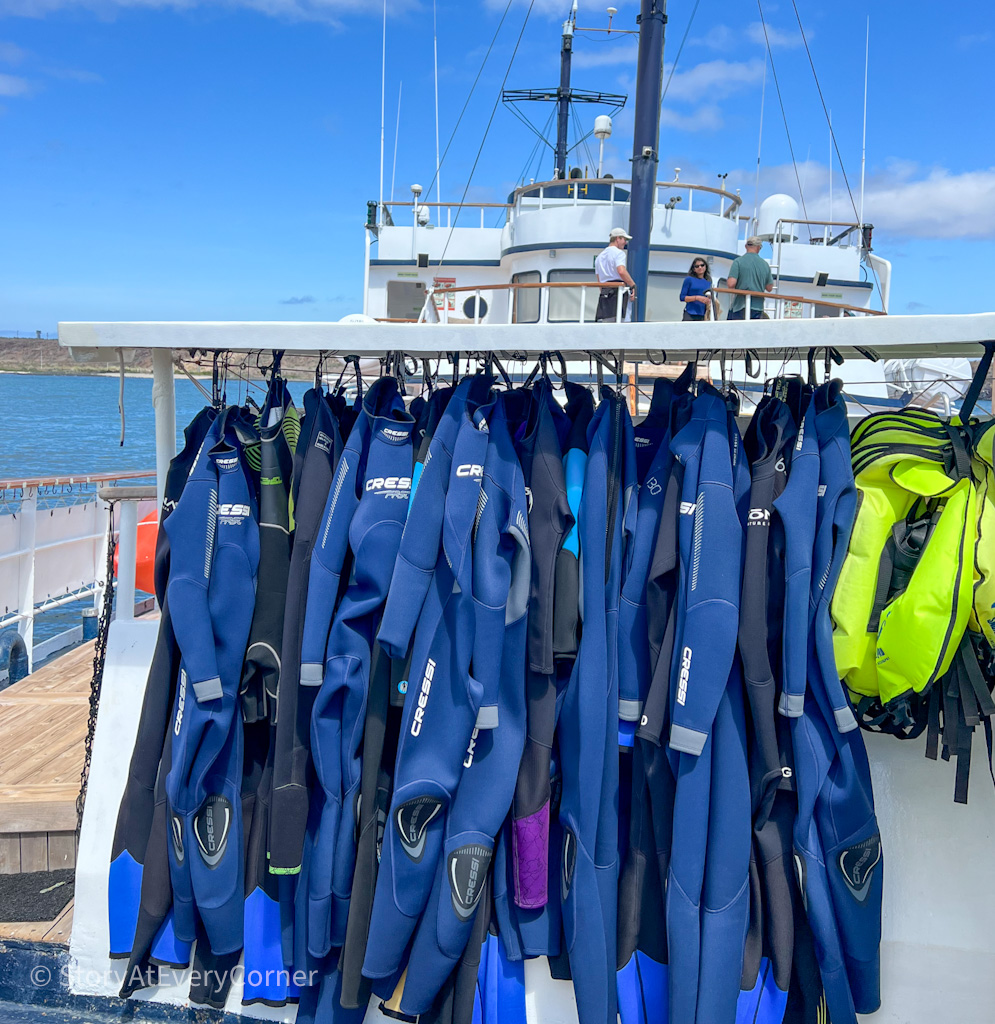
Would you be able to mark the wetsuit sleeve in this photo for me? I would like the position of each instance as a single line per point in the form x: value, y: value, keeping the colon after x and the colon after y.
x: 326, y: 565
x: 416, y: 557
x: 192, y: 533
x: 708, y: 641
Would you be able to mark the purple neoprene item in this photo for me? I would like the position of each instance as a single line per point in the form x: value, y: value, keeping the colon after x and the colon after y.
x: 530, y: 850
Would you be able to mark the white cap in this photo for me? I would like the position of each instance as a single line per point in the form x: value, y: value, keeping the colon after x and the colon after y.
x: 618, y: 233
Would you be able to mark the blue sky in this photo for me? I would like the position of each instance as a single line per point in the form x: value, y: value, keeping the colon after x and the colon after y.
x: 212, y: 160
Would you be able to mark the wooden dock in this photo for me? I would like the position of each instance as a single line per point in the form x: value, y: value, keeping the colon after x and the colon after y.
x: 43, y: 721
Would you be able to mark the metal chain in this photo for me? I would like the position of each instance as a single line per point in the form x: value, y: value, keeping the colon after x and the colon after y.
x: 99, y: 656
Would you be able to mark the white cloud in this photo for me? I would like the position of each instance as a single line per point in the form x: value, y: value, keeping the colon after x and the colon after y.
x: 941, y: 205
x: 728, y: 39
x: 328, y: 11
x: 703, y: 119
x: 606, y: 55
x: 11, y: 53
x: 777, y: 38
x: 974, y: 39
x: 905, y: 201
x: 12, y: 85
x: 712, y: 80
x: 591, y: 17
x: 74, y: 75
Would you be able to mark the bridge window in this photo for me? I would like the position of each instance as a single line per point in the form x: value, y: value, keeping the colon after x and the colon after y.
x: 564, y: 303
x: 525, y: 301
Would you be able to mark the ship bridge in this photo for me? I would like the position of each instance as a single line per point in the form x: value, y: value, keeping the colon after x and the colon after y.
x: 531, y: 260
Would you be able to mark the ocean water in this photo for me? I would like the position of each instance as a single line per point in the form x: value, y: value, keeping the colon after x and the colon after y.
x: 54, y: 425
x: 62, y: 425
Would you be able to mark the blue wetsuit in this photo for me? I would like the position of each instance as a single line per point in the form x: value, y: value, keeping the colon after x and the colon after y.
x: 441, y: 706
x: 588, y: 721
x: 139, y: 892
x: 501, y: 571
x: 375, y: 484
x: 707, y: 891
x: 214, y: 537
x: 837, y: 842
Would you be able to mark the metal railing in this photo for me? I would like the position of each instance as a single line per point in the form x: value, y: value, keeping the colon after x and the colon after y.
x: 433, y: 313
x: 777, y: 306
x: 574, y: 191
x: 448, y: 207
x: 52, y: 550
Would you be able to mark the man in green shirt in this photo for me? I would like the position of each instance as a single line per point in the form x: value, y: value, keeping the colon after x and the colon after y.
x: 751, y: 273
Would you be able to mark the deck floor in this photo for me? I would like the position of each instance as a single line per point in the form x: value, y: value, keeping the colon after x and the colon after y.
x: 56, y: 931
x: 43, y: 721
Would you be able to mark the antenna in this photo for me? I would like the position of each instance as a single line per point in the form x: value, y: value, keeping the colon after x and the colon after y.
x: 863, y: 149
x: 830, y: 165
x: 435, y: 50
x: 383, y: 86
x: 397, y: 132
x: 760, y: 139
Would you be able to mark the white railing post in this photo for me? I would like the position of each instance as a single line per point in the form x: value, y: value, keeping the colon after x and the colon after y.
x: 164, y: 404
x: 476, y: 306
x: 127, y: 549
x: 26, y: 542
x: 690, y: 199
x: 512, y: 297
x: 583, y: 303
x: 618, y: 305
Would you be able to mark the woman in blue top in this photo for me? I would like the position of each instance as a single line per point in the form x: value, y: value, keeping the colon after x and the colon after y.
x: 695, y: 290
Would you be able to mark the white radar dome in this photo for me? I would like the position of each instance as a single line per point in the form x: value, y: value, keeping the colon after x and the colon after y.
x: 356, y: 318
x: 602, y: 126
x: 772, y: 209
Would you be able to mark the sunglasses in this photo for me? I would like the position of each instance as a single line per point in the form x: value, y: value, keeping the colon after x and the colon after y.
x: 697, y: 265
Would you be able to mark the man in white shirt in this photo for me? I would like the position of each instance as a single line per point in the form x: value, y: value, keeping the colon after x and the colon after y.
x: 610, y: 266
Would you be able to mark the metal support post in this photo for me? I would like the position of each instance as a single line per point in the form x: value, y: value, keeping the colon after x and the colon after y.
x: 127, y: 548
x: 164, y: 404
x: 26, y: 543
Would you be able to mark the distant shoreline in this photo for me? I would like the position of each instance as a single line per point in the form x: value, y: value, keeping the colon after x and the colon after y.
x: 46, y: 357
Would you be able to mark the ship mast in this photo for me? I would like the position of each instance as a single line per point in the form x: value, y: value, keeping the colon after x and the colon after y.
x: 645, y: 143
x: 563, y: 93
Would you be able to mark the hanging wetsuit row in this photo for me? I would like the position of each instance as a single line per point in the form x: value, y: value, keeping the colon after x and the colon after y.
x: 495, y: 674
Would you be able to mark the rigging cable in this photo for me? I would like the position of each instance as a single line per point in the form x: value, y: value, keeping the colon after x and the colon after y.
x: 480, y: 71
x: 760, y: 141
x: 825, y: 109
x: 490, y: 121
x: 680, y: 49
x: 784, y: 116
x: 535, y: 152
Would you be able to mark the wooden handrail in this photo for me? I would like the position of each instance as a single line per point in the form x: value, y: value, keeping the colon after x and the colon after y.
x: 801, y: 298
x: 451, y: 289
x: 85, y: 478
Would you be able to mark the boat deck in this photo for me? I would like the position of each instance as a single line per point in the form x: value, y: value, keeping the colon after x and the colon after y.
x: 56, y: 932
x: 43, y: 720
